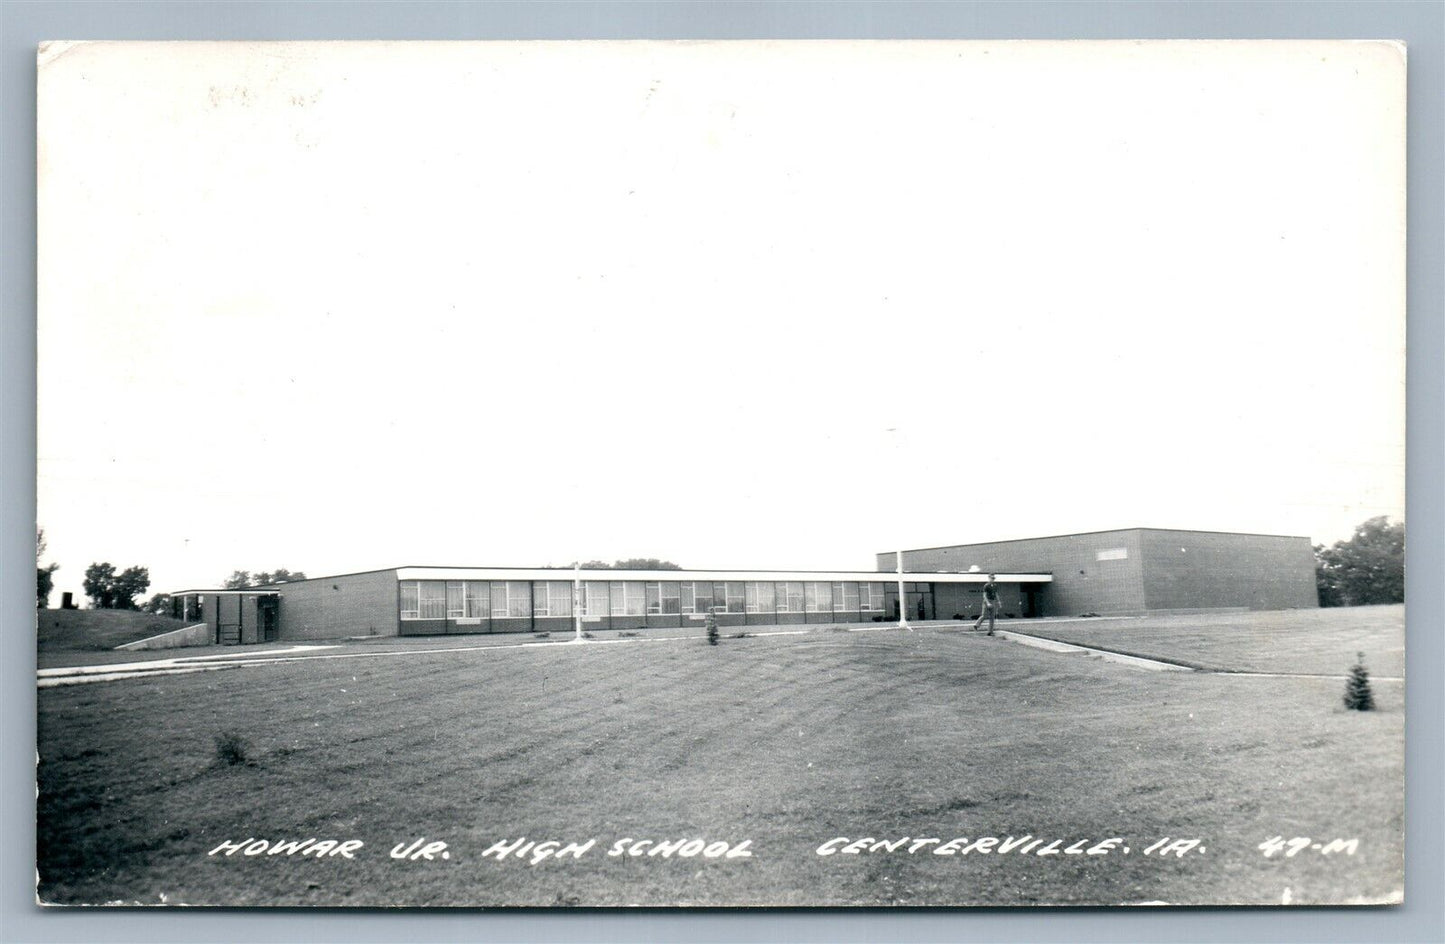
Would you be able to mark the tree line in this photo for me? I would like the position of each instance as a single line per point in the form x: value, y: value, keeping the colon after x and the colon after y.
x: 1368, y: 568
x: 110, y: 589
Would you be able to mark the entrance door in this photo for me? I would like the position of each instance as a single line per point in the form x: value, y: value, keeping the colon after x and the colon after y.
x: 266, y: 607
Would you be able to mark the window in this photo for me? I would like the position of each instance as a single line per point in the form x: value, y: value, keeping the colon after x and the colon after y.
x: 870, y: 597
x: 478, y: 599
x: 760, y: 597
x: 455, y: 609
x: 664, y: 597
x: 553, y: 598
x: 597, y: 597
x: 519, y: 598
x: 703, y: 590
x: 410, y: 600
x: 433, y: 600
x: 689, y: 597
x: 511, y: 598
x: 845, y: 597
x: 734, y: 600
x: 818, y: 596
x: 629, y: 598
x: 790, y: 597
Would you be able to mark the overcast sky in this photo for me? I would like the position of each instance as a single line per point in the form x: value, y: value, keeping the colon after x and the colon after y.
x: 338, y: 307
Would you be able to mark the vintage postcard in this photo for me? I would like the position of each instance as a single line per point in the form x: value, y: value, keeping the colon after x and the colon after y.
x: 722, y: 474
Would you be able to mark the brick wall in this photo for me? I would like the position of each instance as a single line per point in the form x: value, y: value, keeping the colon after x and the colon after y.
x: 1192, y: 569
x: 330, y: 607
x: 1083, y: 583
x: 1134, y: 570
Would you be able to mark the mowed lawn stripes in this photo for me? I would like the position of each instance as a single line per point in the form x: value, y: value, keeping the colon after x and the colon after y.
x: 787, y: 742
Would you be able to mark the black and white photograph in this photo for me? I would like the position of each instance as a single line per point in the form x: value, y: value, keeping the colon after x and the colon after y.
x: 736, y: 474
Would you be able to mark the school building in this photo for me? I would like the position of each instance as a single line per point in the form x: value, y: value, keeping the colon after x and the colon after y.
x: 1142, y: 570
x: 430, y: 601
x: 1107, y: 572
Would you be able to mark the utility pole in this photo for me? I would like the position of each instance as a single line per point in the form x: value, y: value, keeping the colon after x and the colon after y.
x: 577, y: 601
x: 902, y: 597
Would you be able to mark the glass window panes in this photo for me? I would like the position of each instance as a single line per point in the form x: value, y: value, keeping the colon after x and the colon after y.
x: 759, y: 597
x: 519, y: 598
x: 597, y: 597
x: 478, y: 598
x: 818, y: 596
x: 555, y: 597
x: 636, y: 597
x: 433, y: 600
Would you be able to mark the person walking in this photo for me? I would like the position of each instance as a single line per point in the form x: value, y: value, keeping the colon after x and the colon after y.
x: 990, y: 605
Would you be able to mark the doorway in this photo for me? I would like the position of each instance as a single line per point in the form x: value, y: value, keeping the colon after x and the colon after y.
x: 267, y: 617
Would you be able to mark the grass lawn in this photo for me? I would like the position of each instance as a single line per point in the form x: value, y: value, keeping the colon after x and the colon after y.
x: 1304, y: 642
x: 70, y: 631
x: 787, y: 742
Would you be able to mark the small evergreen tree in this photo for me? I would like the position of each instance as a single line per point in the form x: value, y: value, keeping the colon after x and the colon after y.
x: 1358, y: 696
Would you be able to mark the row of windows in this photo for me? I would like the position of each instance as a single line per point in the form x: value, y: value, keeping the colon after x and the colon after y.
x: 502, y: 599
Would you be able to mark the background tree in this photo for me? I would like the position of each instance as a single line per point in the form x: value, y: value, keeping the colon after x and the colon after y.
x: 109, y: 590
x: 99, y: 585
x: 1367, y: 569
x: 44, y: 576
x: 241, y: 579
x: 268, y: 578
x: 129, y: 584
x: 160, y: 604
x: 631, y: 563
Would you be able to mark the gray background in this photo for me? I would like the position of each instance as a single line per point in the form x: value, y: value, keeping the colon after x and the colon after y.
x: 1421, y: 24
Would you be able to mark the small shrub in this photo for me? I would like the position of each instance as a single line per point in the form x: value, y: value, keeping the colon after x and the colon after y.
x: 628, y: 632
x: 541, y: 635
x: 232, y: 750
x: 1358, y: 696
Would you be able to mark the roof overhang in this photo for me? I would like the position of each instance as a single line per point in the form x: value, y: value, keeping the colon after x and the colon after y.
x: 868, y: 576
x: 251, y: 591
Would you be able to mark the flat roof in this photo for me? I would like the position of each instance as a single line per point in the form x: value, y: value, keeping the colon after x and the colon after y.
x: 1085, y: 534
x: 251, y: 590
x: 566, y: 573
